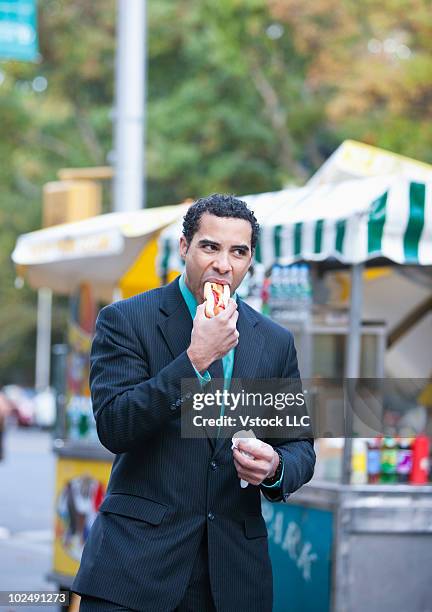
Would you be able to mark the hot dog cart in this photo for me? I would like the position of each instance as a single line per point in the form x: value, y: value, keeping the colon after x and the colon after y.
x: 337, y: 545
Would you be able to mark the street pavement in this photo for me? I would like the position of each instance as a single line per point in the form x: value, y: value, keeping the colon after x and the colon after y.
x: 27, y: 477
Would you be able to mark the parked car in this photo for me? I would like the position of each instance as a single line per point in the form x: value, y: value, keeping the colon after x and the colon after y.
x: 5, y: 409
x: 22, y: 400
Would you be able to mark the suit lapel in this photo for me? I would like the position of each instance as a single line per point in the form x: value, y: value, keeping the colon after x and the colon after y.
x: 176, y: 328
x: 250, y: 346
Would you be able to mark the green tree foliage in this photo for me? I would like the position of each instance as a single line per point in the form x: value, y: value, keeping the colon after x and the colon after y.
x: 370, y: 64
x: 67, y: 124
x: 244, y: 96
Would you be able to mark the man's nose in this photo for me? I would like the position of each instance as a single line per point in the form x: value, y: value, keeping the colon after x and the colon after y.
x: 222, y: 263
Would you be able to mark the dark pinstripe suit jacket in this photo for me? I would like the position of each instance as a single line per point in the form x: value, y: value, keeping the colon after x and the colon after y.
x: 162, y: 487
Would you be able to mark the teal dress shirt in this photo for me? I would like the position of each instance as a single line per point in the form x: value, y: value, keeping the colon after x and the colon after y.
x: 227, y: 361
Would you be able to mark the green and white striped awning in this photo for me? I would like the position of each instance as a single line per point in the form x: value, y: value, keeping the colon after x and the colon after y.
x: 352, y: 222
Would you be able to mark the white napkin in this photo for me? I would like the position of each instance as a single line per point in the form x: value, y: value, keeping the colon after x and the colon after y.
x: 251, y: 440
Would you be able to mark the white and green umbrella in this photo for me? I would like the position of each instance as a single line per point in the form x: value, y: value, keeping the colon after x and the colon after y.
x: 99, y: 250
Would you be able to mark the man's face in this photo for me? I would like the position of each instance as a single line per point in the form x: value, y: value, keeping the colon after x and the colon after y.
x: 219, y: 252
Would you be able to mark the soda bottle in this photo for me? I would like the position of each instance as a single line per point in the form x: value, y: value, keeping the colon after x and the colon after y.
x: 404, y: 459
x: 389, y: 461
x: 83, y: 418
x: 265, y: 296
x: 373, y: 460
x: 420, y: 468
x: 358, y: 462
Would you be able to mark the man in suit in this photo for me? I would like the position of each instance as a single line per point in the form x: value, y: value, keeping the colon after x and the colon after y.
x: 176, y: 532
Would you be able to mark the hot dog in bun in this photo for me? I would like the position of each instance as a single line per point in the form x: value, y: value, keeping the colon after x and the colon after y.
x: 216, y: 298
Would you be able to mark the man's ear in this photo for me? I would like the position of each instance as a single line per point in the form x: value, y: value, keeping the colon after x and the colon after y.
x: 183, y: 247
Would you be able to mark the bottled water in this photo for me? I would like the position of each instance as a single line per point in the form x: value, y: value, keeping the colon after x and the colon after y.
x: 304, y: 292
x: 291, y: 292
x: 288, y: 292
x: 276, y: 290
x: 255, y: 287
x: 276, y: 282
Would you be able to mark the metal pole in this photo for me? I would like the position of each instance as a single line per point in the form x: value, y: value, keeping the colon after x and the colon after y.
x: 43, y: 340
x: 352, y: 360
x: 59, y: 354
x: 129, y: 192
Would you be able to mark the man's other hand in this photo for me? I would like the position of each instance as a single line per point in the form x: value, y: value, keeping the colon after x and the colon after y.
x: 261, y: 465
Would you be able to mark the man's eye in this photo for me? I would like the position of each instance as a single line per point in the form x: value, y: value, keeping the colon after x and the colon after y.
x: 240, y: 252
x: 209, y: 247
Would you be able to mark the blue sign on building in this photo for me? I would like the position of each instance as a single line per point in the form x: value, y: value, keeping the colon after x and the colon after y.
x: 300, y: 547
x: 18, y: 30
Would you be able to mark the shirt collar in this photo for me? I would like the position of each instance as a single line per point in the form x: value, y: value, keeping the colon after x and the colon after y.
x: 188, y: 296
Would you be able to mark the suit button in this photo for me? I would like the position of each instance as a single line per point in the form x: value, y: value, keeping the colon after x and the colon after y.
x: 188, y: 395
x: 213, y: 465
x: 173, y: 407
x: 210, y: 516
x: 178, y: 402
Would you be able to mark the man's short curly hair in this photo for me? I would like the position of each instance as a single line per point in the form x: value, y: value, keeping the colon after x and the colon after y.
x: 220, y: 205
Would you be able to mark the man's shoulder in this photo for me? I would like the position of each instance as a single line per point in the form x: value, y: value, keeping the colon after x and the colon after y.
x: 135, y: 309
x: 148, y: 300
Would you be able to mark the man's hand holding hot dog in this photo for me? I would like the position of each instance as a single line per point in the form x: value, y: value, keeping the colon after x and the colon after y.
x: 213, y: 338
